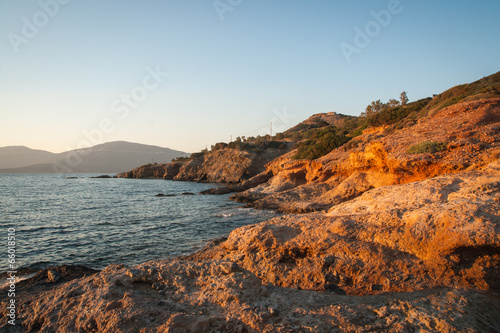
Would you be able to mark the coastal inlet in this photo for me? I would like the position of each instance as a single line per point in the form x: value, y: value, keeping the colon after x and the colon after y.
x: 72, y: 219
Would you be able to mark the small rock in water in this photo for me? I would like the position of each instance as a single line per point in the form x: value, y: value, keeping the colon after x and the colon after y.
x: 187, y: 193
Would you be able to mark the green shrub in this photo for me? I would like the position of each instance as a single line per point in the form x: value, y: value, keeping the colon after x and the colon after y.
x: 358, y: 131
x: 392, y: 115
x: 180, y: 159
x: 202, y: 153
x: 218, y: 146
x: 427, y: 147
x: 320, y: 143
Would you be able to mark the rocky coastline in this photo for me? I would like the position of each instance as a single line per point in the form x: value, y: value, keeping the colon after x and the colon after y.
x: 222, y: 166
x: 377, y: 239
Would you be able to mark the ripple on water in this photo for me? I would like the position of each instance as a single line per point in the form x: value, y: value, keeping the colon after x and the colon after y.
x: 97, y: 222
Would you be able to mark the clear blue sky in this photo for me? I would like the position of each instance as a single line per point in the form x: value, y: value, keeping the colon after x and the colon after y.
x: 231, y: 70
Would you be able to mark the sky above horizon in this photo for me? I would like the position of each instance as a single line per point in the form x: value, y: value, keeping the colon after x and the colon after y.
x: 188, y: 74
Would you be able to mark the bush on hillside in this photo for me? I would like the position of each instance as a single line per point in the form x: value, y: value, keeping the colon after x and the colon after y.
x: 320, y: 142
x: 427, y: 147
x: 180, y: 159
x: 391, y: 115
x: 487, y: 87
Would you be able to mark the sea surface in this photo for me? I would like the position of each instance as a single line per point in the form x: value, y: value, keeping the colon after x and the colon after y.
x: 96, y: 222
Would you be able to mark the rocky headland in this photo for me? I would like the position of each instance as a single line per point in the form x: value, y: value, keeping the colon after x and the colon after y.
x: 222, y: 166
x: 397, y: 230
x: 468, y: 132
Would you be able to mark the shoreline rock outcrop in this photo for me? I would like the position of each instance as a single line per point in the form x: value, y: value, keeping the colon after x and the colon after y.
x: 440, y: 232
x: 222, y: 166
x: 220, y: 296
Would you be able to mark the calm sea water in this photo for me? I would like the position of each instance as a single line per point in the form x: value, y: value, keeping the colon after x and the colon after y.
x: 97, y: 222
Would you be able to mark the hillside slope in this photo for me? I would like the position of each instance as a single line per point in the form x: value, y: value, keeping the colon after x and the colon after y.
x: 466, y: 133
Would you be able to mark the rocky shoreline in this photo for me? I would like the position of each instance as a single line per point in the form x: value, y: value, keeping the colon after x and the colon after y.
x: 222, y: 166
x: 387, y: 240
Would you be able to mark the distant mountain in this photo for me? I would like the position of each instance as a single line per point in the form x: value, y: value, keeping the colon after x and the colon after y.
x: 19, y: 156
x: 112, y: 157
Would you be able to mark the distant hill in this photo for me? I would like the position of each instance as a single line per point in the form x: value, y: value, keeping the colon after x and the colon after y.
x: 112, y: 157
x: 19, y: 156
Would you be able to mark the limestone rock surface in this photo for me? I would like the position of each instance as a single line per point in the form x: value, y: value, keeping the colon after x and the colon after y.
x: 379, y: 157
x: 220, y: 296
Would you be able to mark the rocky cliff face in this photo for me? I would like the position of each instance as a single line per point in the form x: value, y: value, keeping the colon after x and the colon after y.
x: 440, y: 232
x: 221, y: 166
x: 470, y: 132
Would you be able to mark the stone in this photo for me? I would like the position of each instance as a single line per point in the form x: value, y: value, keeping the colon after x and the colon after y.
x: 53, y: 276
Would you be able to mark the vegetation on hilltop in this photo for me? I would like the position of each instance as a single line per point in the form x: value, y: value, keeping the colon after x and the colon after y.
x: 316, y: 142
x: 321, y: 133
x: 487, y: 87
x: 251, y: 144
x: 394, y: 113
x: 320, y: 141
